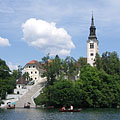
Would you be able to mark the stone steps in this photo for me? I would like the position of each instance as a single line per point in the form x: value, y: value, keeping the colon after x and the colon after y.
x: 28, y: 97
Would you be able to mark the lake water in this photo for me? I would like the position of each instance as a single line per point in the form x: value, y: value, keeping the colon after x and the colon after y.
x: 45, y: 114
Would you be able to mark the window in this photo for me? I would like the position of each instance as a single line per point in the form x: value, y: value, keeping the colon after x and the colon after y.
x: 35, y: 72
x: 29, y: 66
x: 35, y: 78
x: 31, y: 72
x: 91, y: 54
x: 31, y: 78
x: 33, y: 66
x: 91, y: 45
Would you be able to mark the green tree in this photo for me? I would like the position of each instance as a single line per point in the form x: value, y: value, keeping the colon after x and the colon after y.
x: 4, y: 69
x: 26, y: 76
x: 81, y: 62
x: 45, y: 59
x: 70, y: 67
x: 98, y: 62
x: 90, y: 77
x: 7, y: 81
x: 62, y: 93
x: 17, y: 73
x: 111, y: 63
x: 98, y: 86
x: 52, y: 70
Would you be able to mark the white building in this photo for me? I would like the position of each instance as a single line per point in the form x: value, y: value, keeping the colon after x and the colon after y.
x: 92, y: 44
x: 35, y: 70
x: 20, y: 86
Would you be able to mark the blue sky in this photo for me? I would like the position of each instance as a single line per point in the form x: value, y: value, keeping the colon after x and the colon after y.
x: 31, y: 28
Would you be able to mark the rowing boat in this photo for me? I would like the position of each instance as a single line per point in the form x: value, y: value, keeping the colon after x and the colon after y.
x: 74, y: 110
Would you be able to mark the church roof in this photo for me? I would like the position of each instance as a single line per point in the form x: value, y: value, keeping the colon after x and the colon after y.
x: 21, y: 80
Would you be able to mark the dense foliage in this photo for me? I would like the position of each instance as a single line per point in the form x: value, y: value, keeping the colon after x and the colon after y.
x: 97, y: 86
x: 7, y: 80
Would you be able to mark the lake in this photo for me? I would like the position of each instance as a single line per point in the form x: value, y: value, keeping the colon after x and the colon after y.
x: 53, y: 114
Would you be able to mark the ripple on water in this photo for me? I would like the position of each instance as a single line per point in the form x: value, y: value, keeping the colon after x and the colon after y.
x: 45, y: 114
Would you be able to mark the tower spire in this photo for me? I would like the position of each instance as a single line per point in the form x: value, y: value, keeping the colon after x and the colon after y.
x: 92, y: 28
x: 92, y: 20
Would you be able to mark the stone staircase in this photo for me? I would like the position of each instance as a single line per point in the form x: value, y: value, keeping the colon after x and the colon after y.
x: 29, y: 96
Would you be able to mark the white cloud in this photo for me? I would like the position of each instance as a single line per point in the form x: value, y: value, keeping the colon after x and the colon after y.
x: 47, y: 37
x: 12, y: 66
x: 4, y: 42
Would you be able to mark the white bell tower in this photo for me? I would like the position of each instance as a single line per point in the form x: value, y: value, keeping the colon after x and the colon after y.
x: 92, y: 44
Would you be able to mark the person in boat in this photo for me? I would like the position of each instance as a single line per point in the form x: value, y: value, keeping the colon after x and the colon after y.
x: 71, y: 107
x: 63, y: 108
x: 27, y: 105
x: 9, y: 105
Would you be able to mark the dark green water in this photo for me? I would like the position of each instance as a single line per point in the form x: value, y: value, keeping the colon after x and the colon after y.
x: 43, y: 114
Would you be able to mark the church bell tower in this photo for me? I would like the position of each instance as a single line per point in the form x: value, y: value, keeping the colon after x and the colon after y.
x: 92, y: 44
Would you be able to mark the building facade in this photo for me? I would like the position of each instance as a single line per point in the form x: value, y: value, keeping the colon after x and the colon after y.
x: 92, y: 44
x: 35, y: 70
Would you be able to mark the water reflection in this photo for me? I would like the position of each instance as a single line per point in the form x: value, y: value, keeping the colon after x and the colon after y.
x: 53, y: 114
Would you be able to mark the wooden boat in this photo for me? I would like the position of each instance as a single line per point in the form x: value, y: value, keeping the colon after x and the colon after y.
x: 27, y: 106
x: 74, y: 110
x: 50, y: 107
x: 10, y: 107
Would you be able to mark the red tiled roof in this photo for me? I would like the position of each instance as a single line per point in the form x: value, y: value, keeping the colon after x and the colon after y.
x: 35, y: 62
x: 32, y: 62
x: 49, y: 61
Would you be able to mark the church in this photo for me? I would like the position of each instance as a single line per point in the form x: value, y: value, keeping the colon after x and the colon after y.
x: 92, y: 44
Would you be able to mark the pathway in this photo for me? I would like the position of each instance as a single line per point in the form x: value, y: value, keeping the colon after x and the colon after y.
x: 28, y: 97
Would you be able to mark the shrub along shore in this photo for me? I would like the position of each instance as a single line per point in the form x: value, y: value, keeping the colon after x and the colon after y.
x: 97, y: 86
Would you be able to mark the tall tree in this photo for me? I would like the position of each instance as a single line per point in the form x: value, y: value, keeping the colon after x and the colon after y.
x: 4, y: 69
x: 52, y: 70
x: 81, y: 62
x: 111, y: 63
x: 98, y: 62
x: 7, y: 81
x: 69, y: 67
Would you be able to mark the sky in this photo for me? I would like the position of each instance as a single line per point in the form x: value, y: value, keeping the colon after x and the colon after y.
x: 29, y: 29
